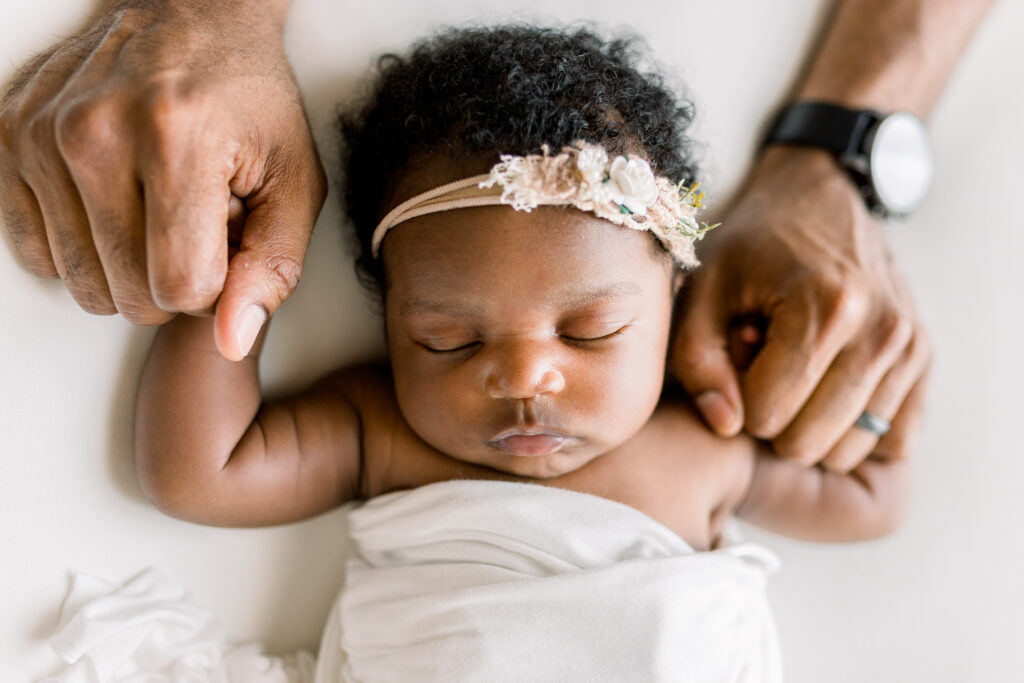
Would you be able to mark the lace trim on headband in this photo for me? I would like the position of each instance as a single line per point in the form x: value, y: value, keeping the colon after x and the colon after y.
x: 624, y: 191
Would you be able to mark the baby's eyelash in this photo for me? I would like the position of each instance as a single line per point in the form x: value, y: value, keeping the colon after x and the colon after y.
x: 579, y: 341
x: 590, y: 340
x: 456, y: 349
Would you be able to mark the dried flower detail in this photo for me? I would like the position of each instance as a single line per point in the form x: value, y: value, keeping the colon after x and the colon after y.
x: 623, y: 190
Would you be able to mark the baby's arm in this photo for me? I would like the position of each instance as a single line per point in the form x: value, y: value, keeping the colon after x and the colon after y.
x: 816, y: 504
x: 208, y: 451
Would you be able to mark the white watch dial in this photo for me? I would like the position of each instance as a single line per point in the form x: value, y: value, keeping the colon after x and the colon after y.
x: 901, y: 162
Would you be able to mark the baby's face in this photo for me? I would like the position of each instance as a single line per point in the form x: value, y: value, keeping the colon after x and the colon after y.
x: 527, y: 342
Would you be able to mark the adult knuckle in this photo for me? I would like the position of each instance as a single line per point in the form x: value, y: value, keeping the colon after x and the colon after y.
x: 83, y: 127
x: 28, y: 237
x: 17, y: 223
x: 172, y: 112
x: 35, y: 254
x: 919, y: 350
x: 126, y: 21
x: 40, y: 129
x: 24, y: 77
x: 894, y: 329
x: 163, y: 104
x: 764, y: 422
x: 688, y: 354
x: 285, y: 271
x: 843, y: 300
x: 91, y: 295
x: 41, y: 267
x: 8, y: 134
x: 124, y: 247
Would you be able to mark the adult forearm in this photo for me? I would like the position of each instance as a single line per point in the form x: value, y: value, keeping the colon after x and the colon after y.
x: 275, y: 8
x: 890, y: 54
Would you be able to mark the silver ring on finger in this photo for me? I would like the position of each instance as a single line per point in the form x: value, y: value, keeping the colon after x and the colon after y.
x: 870, y: 422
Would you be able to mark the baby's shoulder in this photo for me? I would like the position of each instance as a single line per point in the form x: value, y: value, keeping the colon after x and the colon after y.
x: 676, y: 429
x: 681, y: 472
x: 393, y: 456
x: 366, y: 386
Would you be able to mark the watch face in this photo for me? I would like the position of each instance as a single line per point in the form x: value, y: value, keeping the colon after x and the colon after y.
x: 900, y: 162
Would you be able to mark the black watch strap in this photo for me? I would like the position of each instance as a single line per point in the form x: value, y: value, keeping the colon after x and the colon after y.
x: 821, y: 124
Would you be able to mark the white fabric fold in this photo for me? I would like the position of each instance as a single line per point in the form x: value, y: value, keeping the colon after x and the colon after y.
x: 150, y: 630
x: 494, y: 581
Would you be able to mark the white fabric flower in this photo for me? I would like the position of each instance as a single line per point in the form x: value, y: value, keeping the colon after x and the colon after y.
x: 631, y: 184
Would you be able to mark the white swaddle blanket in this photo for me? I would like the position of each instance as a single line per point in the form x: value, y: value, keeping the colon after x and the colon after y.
x: 460, y: 581
x: 494, y: 581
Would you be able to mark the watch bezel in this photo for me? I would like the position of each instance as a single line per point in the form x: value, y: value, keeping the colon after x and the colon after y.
x: 882, y: 147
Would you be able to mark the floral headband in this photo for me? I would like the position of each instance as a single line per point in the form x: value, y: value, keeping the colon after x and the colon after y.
x: 623, y: 190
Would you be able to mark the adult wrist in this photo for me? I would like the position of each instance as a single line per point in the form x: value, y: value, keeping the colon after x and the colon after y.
x: 800, y: 163
x: 274, y: 11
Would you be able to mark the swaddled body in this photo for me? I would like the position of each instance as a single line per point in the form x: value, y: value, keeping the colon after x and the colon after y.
x: 496, y: 581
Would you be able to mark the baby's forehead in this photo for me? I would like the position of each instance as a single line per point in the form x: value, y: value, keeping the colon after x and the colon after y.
x: 574, y: 296
x: 551, y: 257
x: 427, y: 170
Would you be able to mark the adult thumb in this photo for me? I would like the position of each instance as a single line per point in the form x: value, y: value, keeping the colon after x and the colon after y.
x: 700, y: 357
x: 267, y: 266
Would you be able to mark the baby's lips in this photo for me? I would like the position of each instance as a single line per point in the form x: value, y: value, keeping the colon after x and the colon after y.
x: 530, y: 445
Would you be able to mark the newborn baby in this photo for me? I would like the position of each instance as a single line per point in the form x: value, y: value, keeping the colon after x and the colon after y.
x: 539, y: 505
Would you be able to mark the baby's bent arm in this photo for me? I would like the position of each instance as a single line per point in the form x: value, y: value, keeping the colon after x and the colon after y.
x: 208, y: 450
x: 816, y: 504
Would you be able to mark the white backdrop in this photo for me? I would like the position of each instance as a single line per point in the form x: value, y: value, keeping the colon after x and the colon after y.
x: 940, y: 601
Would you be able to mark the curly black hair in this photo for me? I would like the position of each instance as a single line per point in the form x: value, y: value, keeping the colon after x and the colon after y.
x: 503, y: 90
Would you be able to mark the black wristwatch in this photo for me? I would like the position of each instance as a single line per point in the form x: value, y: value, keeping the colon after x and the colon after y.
x: 886, y: 155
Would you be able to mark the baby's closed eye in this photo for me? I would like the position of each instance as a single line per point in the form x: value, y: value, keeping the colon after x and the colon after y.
x: 594, y: 331
x: 447, y: 346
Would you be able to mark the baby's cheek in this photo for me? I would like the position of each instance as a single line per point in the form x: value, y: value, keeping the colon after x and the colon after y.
x: 436, y: 410
x: 619, y: 403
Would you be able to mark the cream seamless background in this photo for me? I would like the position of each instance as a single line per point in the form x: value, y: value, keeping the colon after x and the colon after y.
x: 940, y: 601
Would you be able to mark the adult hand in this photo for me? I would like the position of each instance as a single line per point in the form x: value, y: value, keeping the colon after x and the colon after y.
x: 121, y: 151
x: 801, y: 253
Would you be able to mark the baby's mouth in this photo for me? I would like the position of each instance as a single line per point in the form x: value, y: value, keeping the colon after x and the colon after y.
x: 530, y: 443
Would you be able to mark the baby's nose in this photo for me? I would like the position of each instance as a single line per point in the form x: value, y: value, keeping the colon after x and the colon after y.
x: 523, y: 371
